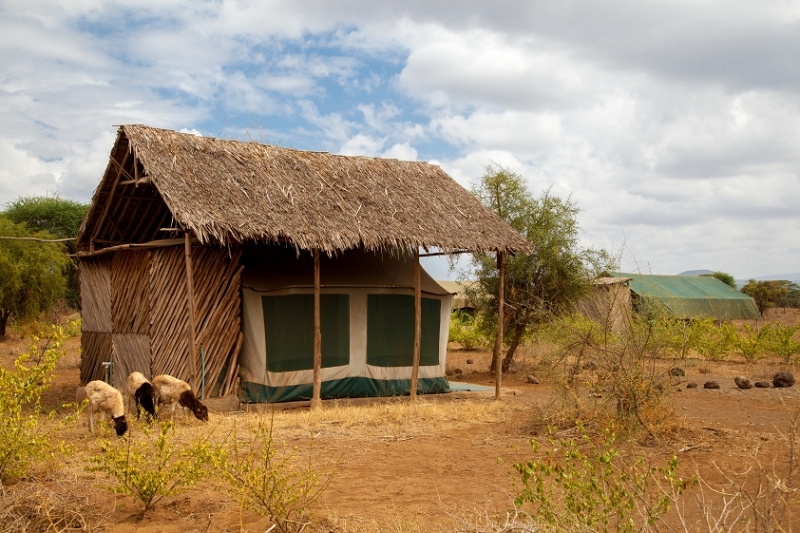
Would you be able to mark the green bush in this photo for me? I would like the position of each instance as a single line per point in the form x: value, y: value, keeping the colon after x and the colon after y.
x: 597, y: 489
x: 781, y: 340
x: 467, y: 331
x: 269, y: 481
x: 25, y: 438
x: 153, y: 465
x: 714, y: 341
x: 752, y: 344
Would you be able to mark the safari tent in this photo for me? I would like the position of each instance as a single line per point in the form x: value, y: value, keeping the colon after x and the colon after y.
x: 273, y: 273
x: 692, y: 296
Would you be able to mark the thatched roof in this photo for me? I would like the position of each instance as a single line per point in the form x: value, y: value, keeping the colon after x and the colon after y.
x: 230, y: 191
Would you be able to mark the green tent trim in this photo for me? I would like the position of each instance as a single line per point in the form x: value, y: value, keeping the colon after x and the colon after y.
x: 350, y: 387
x: 693, y: 296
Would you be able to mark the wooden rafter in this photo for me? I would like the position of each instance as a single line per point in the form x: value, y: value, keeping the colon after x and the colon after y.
x: 110, y: 198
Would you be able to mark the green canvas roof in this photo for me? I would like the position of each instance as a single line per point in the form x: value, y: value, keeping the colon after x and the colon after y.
x: 694, y: 296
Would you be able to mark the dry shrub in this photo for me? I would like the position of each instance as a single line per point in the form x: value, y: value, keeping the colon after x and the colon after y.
x: 704, y: 369
x: 29, y: 507
x: 610, y: 371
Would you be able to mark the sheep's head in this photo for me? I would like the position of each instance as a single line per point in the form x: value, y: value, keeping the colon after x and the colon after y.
x: 120, y: 425
x: 201, y: 412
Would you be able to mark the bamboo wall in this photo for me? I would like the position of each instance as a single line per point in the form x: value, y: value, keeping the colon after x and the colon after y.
x: 136, y: 302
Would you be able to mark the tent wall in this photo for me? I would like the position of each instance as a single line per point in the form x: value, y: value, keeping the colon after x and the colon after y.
x: 357, y: 378
x: 135, y: 313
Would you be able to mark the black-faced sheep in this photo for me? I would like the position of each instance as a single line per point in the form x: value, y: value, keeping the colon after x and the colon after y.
x: 140, y: 391
x: 106, y: 400
x: 170, y: 391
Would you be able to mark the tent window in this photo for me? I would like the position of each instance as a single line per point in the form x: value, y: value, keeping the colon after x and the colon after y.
x: 390, y: 330
x: 289, y: 331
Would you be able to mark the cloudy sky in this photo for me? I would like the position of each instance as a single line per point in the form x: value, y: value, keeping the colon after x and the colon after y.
x: 674, y: 125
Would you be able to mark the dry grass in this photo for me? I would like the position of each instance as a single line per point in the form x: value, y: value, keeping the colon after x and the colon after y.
x: 59, y: 507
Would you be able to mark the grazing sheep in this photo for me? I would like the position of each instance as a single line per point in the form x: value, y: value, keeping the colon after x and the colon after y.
x: 170, y: 391
x: 141, y: 392
x: 106, y: 400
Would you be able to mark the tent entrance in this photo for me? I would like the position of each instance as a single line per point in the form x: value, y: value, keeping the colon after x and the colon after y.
x: 289, y: 331
x: 390, y: 330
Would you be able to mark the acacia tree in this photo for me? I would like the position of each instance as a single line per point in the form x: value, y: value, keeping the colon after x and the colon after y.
x: 31, y: 273
x: 545, y: 283
x: 59, y: 217
x: 766, y: 293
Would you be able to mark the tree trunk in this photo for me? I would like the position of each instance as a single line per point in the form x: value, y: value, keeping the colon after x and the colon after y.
x: 508, y: 316
x: 519, y: 330
x: 3, y: 322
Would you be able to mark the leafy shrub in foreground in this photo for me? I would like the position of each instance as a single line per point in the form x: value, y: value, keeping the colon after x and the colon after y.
x: 268, y: 480
x: 152, y: 465
x: 572, y: 489
x: 24, y: 438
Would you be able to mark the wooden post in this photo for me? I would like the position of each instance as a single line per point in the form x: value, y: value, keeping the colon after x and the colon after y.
x: 316, y: 400
x: 417, y: 326
x: 498, y: 343
x: 190, y: 306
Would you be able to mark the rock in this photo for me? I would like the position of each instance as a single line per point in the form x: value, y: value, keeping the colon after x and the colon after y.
x: 532, y: 379
x: 470, y: 361
x: 589, y: 366
x: 448, y: 372
x: 743, y: 382
x: 711, y: 385
x: 677, y: 372
x: 762, y: 384
x: 691, y: 385
x: 457, y: 371
x: 783, y: 379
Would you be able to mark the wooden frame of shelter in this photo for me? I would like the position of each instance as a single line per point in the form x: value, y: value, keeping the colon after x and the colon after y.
x: 160, y: 247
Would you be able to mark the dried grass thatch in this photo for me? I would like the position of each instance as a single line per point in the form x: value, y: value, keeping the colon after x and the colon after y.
x: 231, y: 191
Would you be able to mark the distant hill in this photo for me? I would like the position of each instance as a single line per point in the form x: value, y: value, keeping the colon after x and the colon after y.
x: 696, y: 272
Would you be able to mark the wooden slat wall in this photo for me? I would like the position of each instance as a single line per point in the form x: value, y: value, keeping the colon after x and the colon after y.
x: 130, y: 295
x: 169, y: 317
x: 95, y: 348
x: 96, y: 294
x: 131, y: 353
x: 219, y: 331
x: 95, y: 276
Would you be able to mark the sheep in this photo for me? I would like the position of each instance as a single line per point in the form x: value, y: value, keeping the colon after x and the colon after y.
x: 107, y: 401
x: 169, y: 391
x: 141, y: 392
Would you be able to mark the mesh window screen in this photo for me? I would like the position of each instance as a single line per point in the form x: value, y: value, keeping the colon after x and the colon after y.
x: 289, y: 331
x: 390, y: 330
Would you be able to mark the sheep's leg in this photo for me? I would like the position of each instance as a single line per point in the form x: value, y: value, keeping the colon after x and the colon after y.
x: 91, y: 418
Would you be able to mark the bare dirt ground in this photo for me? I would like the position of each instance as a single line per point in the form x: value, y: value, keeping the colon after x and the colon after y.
x: 428, y: 467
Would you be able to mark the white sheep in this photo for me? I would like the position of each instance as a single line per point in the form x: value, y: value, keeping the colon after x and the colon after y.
x: 170, y: 391
x: 140, y: 391
x: 106, y: 400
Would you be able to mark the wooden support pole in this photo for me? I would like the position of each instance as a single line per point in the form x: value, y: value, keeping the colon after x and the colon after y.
x: 316, y: 398
x: 498, y: 343
x: 99, y: 225
x: 190, y: 307
x: 417, y: 326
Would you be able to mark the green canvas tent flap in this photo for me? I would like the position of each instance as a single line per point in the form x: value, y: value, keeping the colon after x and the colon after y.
x: 694, y: 296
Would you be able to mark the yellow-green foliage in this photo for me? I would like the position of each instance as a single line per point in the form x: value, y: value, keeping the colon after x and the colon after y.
x: 467, y: 330
x: 714, y: 341
x: 580, y: 485
x: 25, y: 437
x: 783, y: 340
x: 752, y: 344
x: 269, y: 480
x: 151, y: 464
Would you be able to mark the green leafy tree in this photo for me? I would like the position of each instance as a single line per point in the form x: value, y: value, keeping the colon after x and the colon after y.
x: 545, y: 283
x: 31, y: 274
x: 59, y: 217
x: 724, y: 277
x: 766, y: 293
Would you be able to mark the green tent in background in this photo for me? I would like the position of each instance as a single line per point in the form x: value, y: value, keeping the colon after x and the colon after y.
x: 693, y: 296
